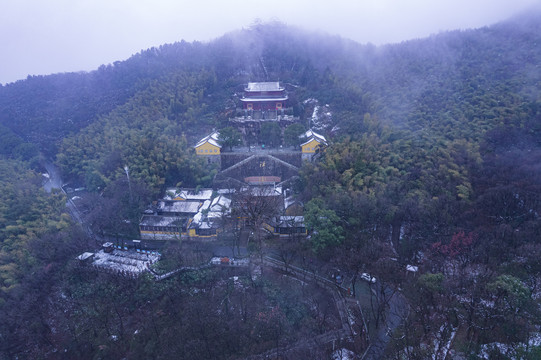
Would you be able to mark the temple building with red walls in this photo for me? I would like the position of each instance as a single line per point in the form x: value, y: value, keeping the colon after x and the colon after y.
x: 262, y: 96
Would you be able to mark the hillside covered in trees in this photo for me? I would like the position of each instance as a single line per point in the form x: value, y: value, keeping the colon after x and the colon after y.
x: 435, y: 146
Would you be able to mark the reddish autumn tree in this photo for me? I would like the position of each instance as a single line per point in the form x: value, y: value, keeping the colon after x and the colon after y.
x: 457, y: 249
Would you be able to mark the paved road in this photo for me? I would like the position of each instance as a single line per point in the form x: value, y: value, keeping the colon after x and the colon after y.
x: 398, y: 309
x: 55, y: 181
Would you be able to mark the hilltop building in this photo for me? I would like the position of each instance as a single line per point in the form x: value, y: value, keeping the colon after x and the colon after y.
x: 313, y: 143
x: 209, y: 147
x: 264, y: 96
x: 262, y: 102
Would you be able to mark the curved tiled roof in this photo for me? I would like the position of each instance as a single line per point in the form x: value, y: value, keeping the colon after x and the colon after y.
x: 212, y: 139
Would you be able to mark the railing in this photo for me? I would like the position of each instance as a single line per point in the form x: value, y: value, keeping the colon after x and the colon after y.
x: 259, y: 114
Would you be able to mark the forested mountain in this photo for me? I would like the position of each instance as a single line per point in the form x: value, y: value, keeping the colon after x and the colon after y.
x: 454, y: 77
x: 434, y: 156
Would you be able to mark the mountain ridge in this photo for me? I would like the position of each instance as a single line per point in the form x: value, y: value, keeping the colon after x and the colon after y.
x: 385, y: 80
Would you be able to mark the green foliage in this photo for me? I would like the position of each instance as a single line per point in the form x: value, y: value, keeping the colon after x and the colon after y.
x: 292, y: 133
x: 12, y: 146
x: 508, y: 287
x: 324, y: 225
x: 431, y: 283
x: 229, y: 137
x: 141, y: 135
x: 26, y: 213
x: 271, y: 134
x: 530, y: 353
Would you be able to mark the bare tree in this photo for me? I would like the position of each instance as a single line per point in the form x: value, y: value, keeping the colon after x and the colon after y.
x: 257, y: 206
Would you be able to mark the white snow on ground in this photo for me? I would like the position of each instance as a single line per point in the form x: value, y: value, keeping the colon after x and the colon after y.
x: 535, y: 340
x: 506, y: 349
x: 314, y: 115
x: 443, y: 349
x: 351, y: 320
x: 229, y: 261
x: 321, y: 115
x: 321, y: 118
x: 310, y: 101
x: 343, y: 354
x: 256, y: 273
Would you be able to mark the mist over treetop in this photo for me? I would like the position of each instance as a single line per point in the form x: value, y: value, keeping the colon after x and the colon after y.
x: 439, y: 74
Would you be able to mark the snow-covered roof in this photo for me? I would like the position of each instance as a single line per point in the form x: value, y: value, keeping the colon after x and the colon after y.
x: 226, y: 191
x: 291, y: 221
x: 219, y: 205
x: 199, y: 217
x: 312, y: 135
x: 262, y: 99
x: 189, y: 207
x: 263, y: 86
x: 85, y: 256
x: 211, y: 139
x: 412, y: 268
x: 288, y: 201
x: 124, y: 261
x: 159, y: 220
x: 188, y: 194
x: 215, y: 209
x: 269, y: 190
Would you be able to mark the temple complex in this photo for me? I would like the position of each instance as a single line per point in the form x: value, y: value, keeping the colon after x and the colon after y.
x: 246, y: 172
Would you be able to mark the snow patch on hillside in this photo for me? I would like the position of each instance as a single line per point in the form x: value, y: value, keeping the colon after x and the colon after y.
x: 321, y: 119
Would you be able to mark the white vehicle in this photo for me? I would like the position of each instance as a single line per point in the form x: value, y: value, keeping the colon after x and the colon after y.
x: 368, y: 278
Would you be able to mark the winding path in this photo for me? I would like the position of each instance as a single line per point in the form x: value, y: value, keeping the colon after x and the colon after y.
x: 55, y: 181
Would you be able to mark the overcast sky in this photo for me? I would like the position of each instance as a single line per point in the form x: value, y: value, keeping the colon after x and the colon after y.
x: 39, y: 37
